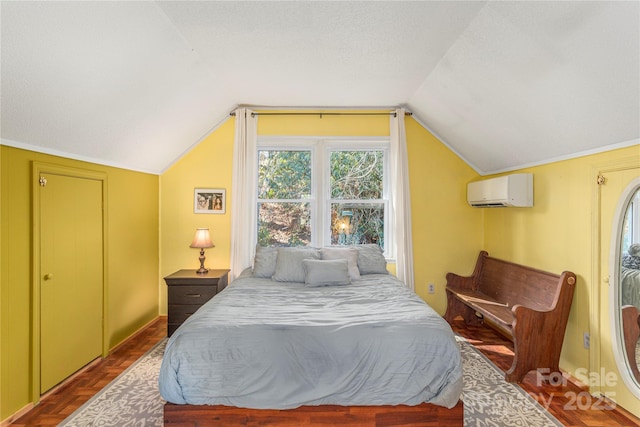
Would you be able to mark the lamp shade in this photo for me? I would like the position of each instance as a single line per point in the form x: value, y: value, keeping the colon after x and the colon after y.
x: 201, y: 239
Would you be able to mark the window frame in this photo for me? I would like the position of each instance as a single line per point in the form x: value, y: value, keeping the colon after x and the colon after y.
x: 320, y: 200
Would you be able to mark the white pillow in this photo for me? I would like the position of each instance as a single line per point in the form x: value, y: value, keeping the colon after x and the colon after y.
x: 326, y: 272
x: 371, y: 259
x: 350, y: 254
x: 264, y: 263
x: 289, y: 266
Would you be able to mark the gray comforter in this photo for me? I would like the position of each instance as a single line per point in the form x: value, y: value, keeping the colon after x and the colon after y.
x: 265, y: 344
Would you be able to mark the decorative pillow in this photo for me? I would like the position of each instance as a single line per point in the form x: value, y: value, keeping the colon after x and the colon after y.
x: 371, y: 259
x: 289, y: 266
x: 350, y: 254
x: 264, y: 263
x: 333, y: 272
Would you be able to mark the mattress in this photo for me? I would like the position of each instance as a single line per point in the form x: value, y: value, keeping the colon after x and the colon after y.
x: 265, y: 344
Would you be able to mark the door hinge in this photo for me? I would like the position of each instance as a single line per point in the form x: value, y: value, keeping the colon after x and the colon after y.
x: 600, y: 179
x: 43, y: 181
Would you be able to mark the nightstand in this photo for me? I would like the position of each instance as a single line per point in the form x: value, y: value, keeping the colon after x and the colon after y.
x: 188, y: 291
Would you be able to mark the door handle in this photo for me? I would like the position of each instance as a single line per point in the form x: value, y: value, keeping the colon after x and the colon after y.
x: 48, y: 276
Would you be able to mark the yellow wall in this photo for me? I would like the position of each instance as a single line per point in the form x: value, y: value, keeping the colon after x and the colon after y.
x: 558, y: 234
x: 326, y: 126
x: 132, y: 258
x: 447, y: 232
x: 208, y: 165
x: 554, y: 235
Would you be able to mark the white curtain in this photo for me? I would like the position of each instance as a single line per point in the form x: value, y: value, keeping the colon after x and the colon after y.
x: 243, y: 190
x: 401, y: 200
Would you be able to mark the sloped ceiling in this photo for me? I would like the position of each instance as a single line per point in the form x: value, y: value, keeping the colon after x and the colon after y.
x: 504, y: 84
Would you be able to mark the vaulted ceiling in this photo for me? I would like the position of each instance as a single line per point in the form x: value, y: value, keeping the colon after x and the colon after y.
x: 504, y: 84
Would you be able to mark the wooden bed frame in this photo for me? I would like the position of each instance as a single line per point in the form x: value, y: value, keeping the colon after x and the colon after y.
x: 425, y: 414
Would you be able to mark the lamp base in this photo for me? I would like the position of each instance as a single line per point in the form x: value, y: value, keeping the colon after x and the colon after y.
x: 202, y: 270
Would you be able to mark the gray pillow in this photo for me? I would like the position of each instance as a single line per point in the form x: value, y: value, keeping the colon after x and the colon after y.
x: 326, y: 272
x: 264, y: 263
x: 289, y: 266
x: 349, y: 253
x: 371, y: 259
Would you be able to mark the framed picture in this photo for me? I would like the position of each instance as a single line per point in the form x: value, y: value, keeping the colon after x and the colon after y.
x: 209, y: 201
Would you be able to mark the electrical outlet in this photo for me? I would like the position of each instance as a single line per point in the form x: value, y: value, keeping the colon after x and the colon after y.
x: 586, y: 340
x: 432, y: 288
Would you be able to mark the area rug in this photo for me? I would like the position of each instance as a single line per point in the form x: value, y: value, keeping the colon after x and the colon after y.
x: 491, y: 401
x: 133, y: 399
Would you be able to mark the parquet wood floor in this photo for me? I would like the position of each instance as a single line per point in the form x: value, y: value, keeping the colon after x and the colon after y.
x: 57, y: 406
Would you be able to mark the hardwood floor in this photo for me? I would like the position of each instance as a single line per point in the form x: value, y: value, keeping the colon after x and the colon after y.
x: 57, y: 406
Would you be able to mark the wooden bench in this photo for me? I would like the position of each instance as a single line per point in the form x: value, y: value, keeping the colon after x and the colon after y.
x: 529, y: 306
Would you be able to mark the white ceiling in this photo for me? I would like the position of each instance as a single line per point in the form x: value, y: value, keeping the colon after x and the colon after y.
x: 504, y: 84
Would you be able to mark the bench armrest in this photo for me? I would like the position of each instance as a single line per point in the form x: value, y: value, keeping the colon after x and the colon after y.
x: 468, y: 282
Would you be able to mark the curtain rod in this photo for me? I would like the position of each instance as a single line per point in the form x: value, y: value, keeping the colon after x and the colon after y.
x: 390, y: 113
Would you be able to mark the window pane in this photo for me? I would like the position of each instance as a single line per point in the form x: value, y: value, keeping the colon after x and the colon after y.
x: 284, y: 224
x: 356, y: 174
x: 284, y: 174
x: 357, y: 224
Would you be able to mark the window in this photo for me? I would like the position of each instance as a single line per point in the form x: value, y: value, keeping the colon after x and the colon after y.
x: 322, y: 192
x: 284, y: 197
x: 357, y: 201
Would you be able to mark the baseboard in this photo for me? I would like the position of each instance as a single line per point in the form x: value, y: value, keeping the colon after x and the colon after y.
x: 136, y: 333
x: 576, y: 382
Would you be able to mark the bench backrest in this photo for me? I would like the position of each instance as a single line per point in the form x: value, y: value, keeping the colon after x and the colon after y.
x: 513, y: 284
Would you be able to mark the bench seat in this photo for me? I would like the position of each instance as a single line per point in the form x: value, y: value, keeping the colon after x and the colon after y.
x: 499, y: 313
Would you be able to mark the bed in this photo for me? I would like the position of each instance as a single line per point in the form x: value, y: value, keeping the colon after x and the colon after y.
x: 308, y: 327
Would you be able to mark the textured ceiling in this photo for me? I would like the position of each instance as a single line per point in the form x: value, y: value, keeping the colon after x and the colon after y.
x: 504, y: 84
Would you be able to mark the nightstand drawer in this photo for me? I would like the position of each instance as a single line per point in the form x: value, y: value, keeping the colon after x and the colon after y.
x: 180, y: 313
x: 196, y: 295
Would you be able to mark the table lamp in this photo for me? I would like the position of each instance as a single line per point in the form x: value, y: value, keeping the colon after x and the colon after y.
x: 201, y: 240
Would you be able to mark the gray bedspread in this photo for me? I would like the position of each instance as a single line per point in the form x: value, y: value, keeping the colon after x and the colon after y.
x: 264, y: 344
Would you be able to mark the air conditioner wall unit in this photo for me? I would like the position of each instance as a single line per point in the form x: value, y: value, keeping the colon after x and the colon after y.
x: 515, y: 190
